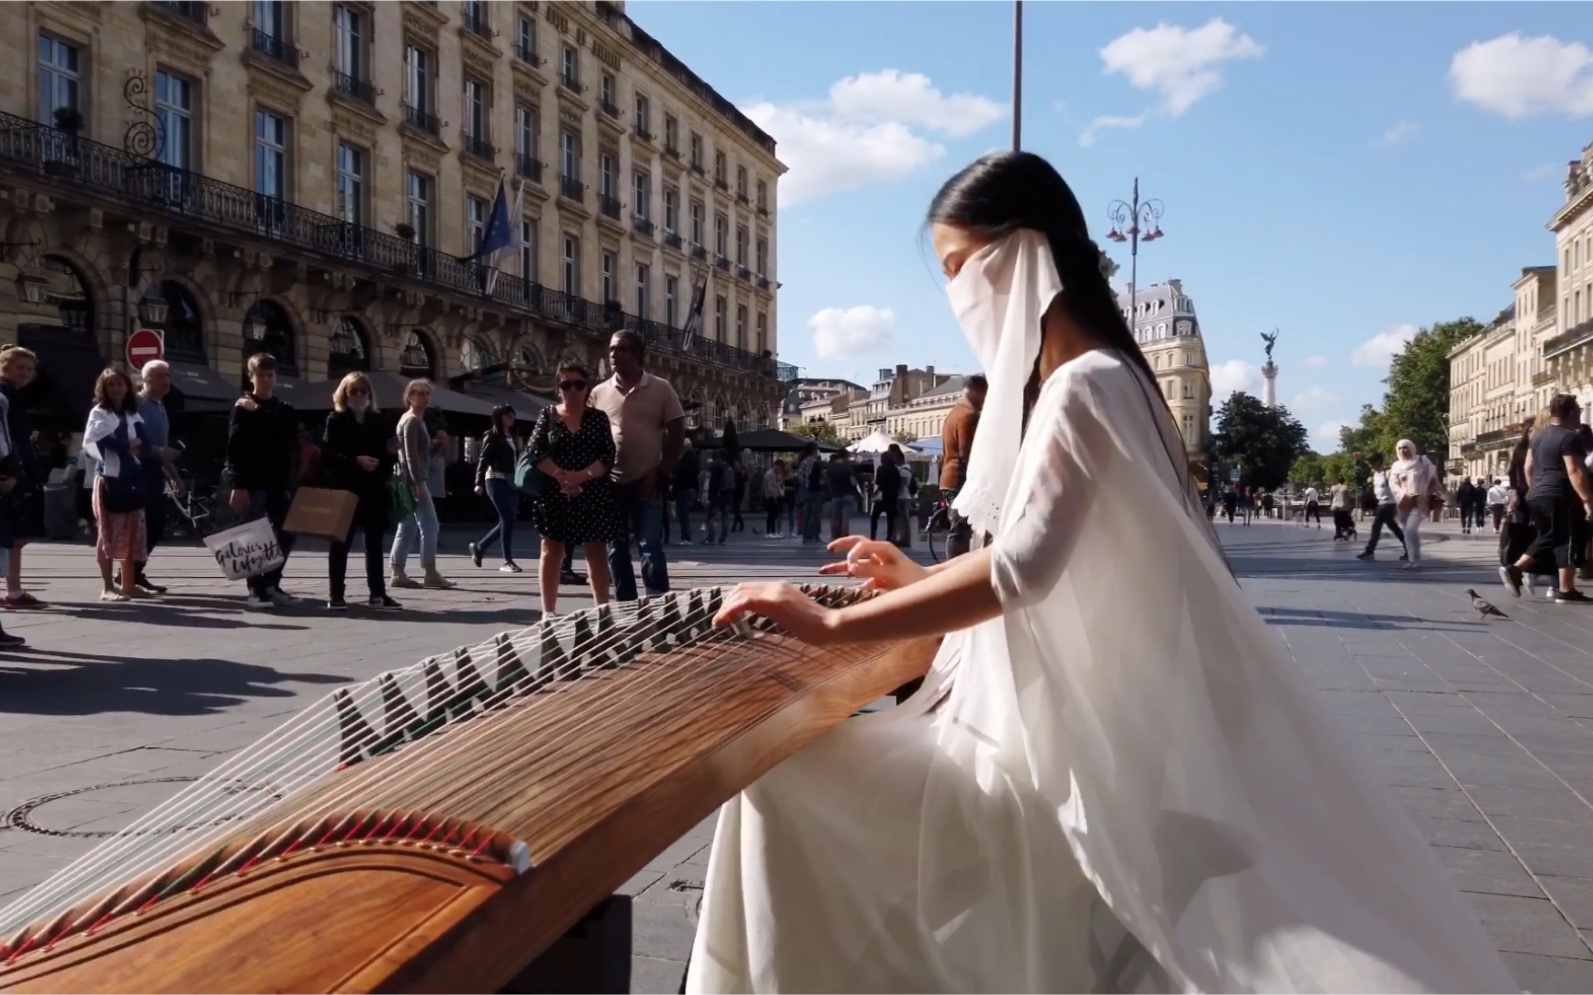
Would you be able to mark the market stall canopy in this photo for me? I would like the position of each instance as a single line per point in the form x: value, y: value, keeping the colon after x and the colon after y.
x: 930, y: 446
x: 877, y: 443
x: 772, y: 440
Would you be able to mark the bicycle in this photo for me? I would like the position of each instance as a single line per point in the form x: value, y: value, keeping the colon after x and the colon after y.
x: 196, y: 515
x: 938, y: 528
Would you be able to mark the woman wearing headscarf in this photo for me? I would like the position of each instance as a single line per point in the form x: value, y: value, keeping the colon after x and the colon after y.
x: 1090, y: 792
x: 1414, y: 479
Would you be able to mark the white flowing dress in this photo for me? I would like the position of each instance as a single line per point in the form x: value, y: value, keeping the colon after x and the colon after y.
x: 1118, y: 785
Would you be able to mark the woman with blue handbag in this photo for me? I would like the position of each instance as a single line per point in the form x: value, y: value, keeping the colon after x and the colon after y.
x: 115, y: 434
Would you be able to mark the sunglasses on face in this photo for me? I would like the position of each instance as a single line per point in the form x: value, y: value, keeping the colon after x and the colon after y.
x: 572, y: 385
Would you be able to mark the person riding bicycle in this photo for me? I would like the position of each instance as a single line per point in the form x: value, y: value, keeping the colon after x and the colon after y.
x: 957, y: 437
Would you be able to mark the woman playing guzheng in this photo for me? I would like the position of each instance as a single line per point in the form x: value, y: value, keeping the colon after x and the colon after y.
x: 1112, y: 779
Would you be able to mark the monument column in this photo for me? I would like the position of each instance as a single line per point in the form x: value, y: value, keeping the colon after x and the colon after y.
x: 1269, y: 372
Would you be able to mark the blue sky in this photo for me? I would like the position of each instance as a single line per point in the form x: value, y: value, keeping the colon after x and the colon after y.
x: 1340, y: 172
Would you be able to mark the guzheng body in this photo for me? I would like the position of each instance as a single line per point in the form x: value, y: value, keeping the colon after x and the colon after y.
x: 435, y: 828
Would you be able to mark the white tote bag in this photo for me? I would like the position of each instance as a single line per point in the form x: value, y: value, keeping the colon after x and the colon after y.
x: 248, y: 550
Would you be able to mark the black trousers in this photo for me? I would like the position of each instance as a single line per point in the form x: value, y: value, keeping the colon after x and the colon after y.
x: 154, y: 526
x: 1385, y: 515
x: 887, y: 506
x: 771, y: 516
x: 1312, y: 510
x: 1557, y: 527
x: 273, y: 504
x: 370, y: 522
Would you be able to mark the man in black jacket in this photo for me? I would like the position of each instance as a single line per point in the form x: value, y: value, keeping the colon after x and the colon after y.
x: 262, y: 445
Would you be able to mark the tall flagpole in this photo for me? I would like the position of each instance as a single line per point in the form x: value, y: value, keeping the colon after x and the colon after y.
x: 1017, y: 75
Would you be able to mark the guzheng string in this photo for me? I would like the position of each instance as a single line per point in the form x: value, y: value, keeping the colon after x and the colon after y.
x: 295, y: 756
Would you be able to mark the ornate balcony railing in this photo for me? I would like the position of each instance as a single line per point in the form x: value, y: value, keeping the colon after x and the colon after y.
x: 643, y: 226
x: 672, y: 240
x: 274, y: 48
x: 474, y: 20
x: 572, y: 188
x: 417, y: 118
x: 672, y: 151
x: 696, y: 167
x: 360, y: 89
x: 744, y: 273
x: 1569, y: 339
x: 643, y: 133
x: 528, y: 167
x: 571, y: 83
x: 723, y: 262
x: 763, y: 209
x: 741, y: 197
x: 722, y: 183
x: 79, y: 170
x: 477, y: 146
x: 609, y: 205
x: 608, y: 106
x: 699, y: 252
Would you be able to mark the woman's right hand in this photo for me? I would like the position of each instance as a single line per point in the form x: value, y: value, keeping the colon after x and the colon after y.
x: 366, y: 463
x: 882, y: 564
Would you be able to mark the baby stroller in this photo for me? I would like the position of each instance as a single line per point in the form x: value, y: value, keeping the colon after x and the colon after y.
x: 1343, y: 525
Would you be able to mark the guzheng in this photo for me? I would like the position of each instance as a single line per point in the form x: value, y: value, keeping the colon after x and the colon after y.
x: 437, y: 827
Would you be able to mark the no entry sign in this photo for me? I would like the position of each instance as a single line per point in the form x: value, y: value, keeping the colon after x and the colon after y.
x: 145, y: 345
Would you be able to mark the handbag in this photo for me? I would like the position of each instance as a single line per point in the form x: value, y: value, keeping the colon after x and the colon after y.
x: 127, y: 491
x: 401, y: 496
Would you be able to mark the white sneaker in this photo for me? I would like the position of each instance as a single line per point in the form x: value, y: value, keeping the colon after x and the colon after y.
x: 685, y: 542
x: 281, y: 598
x: 257, y: 601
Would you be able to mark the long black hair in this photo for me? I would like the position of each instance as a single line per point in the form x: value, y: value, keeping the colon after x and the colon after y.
x: 1002, y: 192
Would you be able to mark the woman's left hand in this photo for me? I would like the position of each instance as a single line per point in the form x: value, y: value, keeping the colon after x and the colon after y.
x: 786, y: 606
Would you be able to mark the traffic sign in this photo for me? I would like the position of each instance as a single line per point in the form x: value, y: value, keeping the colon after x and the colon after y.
x: 144, y: 346
x: 1233, y: 474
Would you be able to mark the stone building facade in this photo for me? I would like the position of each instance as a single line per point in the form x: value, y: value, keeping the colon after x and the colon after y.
x: 312, y: 179
x: 1168, y: 331
x: 1569, y: 353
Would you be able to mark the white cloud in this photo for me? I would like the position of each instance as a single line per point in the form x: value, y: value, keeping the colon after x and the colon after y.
x: 1313, y: 398
x: 1325, y: 437
x: 1398, y: 132
x: 1538, y: 174
x: 1380, y: 348
x: 1179, y: 64
x: 1315, y: 362
x: 1107, y: 122
x: 870, y: 129
x: 1521, y: 77
x: 839, y: 332
x: 1235, y: 374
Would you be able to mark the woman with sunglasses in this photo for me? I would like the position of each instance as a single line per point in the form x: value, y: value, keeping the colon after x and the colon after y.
x: 574, y: 445
x: 359, y: 456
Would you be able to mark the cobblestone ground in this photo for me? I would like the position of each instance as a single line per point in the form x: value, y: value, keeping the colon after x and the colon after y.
x: 1484, y: 729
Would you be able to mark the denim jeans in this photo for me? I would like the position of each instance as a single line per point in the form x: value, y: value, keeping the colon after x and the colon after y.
x: 813, y: 516
x: 719, y: 508
x: 685, y: 498
x: 272, y: 505
x: 644, y: 524
x: 506, y: 502
x: 841, y: 516
x: 421, y: 528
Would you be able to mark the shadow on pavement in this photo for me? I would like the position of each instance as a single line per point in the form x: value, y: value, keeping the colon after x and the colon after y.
x: 90, y: 683
x: 1358, y: 620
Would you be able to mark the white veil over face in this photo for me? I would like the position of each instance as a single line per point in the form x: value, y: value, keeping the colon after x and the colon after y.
x: 1000, y: 297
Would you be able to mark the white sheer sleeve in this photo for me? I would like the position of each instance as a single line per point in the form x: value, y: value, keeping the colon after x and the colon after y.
x: 1058, y: 481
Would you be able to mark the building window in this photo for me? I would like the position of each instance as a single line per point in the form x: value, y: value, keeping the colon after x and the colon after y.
x: 671, y: 133
x: 174, y: 106
x: 605, y: 89
x: 525, y: 40
x: 672, y: 301
x: 349, y: 44
x: 529, y: 239
x: 270, y: 155
x: 350, y: 183
x: 605, y: 175
x: 59, y: 68
x: 741, y: 245
x: 271, y: 19
x: 697, y: 213
x: 570, y: 154
x: 720, y: 167
x: 641, y: 206
x: 741, y: 326
x: 763, y: 257
x: 525, y: 132
x: 644, y: 280
x: 571, y: 69
x: 644, y: 115
x: 696, y: 150
x: 722, y: 236
x: 419, y: 79
x: 1189, y: 391
x: 741, y: 181
x: 671, y: 210
x: 608, y: 276
x: 419, y: 195
x: 478, y: 109
x: 348, y: 349
x: 763, y: 333
x: 475, y: 222
x: 572, y: 265
x: 719, y: 319
x: 763, y: 195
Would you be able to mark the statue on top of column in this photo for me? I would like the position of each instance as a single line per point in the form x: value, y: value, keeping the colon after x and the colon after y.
x: 1270, y: 340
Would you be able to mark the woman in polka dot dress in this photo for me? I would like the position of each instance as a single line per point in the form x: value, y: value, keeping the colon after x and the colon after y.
x: 573, y: 445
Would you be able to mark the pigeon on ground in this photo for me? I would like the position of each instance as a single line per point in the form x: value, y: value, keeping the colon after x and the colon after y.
x: 1484, y: 608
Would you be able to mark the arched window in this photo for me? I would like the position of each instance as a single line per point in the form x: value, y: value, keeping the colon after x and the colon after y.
x: 69, y: 294
x: 350, y: 349
x: 266, y: 329
x: 185, y: 332
x: 418, y: 359
x: 478, y: 356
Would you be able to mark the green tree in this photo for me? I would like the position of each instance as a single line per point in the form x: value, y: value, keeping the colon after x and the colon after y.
x: 1416, y: 406
x: 819, y: 431
x: 1109, y: 265
x: 1262, y: 442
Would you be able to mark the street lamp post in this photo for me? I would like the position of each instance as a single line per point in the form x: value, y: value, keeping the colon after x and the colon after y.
x: 1133, y: 222
x: 1017, y: 75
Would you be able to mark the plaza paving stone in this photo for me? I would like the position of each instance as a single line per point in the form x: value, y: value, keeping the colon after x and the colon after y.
x: 1485, y: 729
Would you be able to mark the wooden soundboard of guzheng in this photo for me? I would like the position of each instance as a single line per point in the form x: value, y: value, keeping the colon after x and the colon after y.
x: 435, y: 828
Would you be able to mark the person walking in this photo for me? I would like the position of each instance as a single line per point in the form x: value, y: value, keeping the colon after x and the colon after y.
x: 116, y: 431
x: 1465, y: 498
x: 1559, y: 501
x: 888, y: 491
x: 1341, y: 504
x: 21, y: 505
x: 1498, y: 498
x: 649, y: 428
x: 159, y: 462
x: 841, y: 479
x: 358, y: 456
x: 495, y: 480
x: 813, y: 491
x: 262, y: 445
x: 684, y: 488
x: 573, y: 444
x: 720, y: 485
x: 773, y: 499
x: 1313, y: 508
x: 1414, y: 481
x: 420, y: 528
x: 1387, y: 513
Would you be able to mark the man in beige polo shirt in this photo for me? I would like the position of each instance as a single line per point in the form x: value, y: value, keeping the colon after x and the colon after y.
x: 649, y: 434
